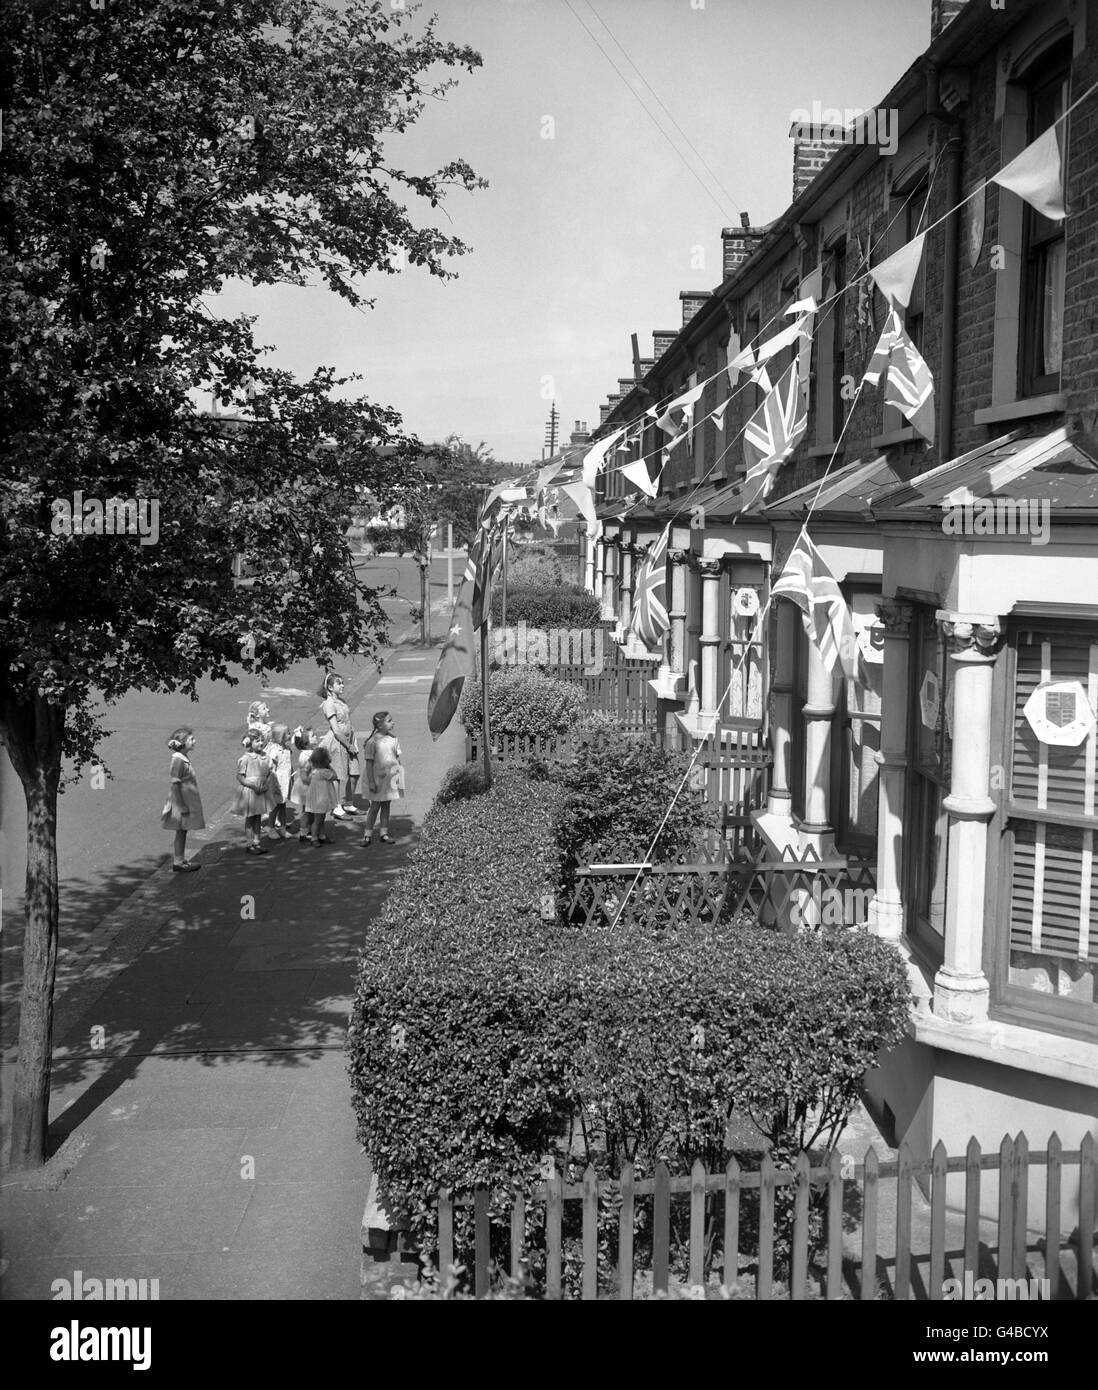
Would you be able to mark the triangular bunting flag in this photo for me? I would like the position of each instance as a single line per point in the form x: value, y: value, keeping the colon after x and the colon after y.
x: 637, y: 473
x: 895, y: 276
x: 1037, y: 175
x: 594, y: 459
x: 909, y: 385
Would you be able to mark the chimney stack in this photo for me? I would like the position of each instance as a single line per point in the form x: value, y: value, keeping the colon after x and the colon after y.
x: 813, y: 146
x: 626, y: 384
x: 604, y: 411
x: 692, y: 301
x: 943, y: 12
x: 738, y: 244
x: 580, y: 434
x: 662, y: 338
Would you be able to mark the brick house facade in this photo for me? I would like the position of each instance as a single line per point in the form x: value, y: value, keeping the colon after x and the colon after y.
x: 1004, y: 311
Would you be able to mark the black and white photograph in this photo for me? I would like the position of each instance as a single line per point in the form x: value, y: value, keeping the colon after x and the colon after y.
x: 548, y: 668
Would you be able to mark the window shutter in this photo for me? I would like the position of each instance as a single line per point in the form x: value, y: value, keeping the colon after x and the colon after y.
x: 1054, y: 890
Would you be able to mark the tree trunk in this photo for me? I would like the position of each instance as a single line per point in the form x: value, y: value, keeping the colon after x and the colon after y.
x: 32, y: 734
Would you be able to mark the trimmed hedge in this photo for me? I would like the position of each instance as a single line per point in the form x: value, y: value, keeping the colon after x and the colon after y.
x: 524, y: 700
x: 508, y: 1026
x: 618, y: 791
x: 548, y: 603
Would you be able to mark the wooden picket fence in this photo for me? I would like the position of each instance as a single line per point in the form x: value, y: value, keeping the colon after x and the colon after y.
x: 897, y: 1274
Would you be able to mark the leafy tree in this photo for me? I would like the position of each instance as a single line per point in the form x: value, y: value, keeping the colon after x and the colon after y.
x: 152, y: 151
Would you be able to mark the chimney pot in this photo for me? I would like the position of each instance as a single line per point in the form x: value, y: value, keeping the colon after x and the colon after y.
x: 745, y: 219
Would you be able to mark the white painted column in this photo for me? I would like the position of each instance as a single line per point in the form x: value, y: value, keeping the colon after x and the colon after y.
x: 819, y: 711
x: 628, y: 572
x: 677, y: 610
x: 610, y: 570
x: 600, y: 567
x: 710, y: 639
x: 779, y: 801
x: 961, y: 990
x: 887, y: 910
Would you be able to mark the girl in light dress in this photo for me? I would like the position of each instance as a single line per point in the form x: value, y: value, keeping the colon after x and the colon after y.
x: 340, y: 741
x: 278, y: 788
x: 321, y: 794
x: 259, y: 717
x: 253, y: 773
x: 303, y: 742
x: 384, y: 775
x: 183, y: 810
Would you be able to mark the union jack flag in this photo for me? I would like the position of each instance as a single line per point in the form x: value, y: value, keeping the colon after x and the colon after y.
x: 650, y: 621
x: 772, y: 433
x: 807, y: 582
x: 909, y: 385
x: 484, y: 558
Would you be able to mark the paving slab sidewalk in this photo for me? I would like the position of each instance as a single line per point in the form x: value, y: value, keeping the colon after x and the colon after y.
x: 200, y: 1086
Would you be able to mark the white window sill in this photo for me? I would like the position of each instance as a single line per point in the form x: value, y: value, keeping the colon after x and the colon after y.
x: 1028, y: 1049
x: 904, y: 435
x: 1008, y: 1044
x: 1021, y: 410
x: 698, y: 726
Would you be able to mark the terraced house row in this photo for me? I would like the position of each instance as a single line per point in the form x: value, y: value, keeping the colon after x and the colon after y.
x: 963, y: 774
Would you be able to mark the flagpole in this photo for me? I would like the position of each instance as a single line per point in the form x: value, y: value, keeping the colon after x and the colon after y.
x: 503, y: 599
x: 486, y: 733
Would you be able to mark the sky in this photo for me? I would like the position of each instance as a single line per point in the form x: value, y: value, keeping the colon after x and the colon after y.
x: 592, y: 223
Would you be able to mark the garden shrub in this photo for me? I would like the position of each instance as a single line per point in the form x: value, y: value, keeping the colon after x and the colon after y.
x: 534, y: 566
x: 524, y: 700
x: 547, y: 603
x: 619, y: 788
x: 462, y: 782
x: 480, y: 1030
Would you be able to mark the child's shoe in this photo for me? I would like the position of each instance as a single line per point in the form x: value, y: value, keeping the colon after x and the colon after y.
x: 366, y: 840
x: 386, y: 839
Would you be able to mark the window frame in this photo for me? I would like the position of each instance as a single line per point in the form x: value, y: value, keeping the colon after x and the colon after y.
x: 1039, y: 234
x: 928, y: 944
x: 1014, y: 1003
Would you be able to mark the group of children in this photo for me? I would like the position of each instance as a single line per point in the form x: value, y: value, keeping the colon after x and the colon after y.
x: 270, y: 787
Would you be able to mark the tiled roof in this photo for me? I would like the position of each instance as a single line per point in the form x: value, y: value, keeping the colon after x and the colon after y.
x: 1057, y: 467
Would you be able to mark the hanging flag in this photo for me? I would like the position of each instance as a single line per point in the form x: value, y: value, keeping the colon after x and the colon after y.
x: 679, y: 412
x: 811, y: 291
x: 595, y: 458
x: 780, y: 341
x: 731, y: 352
x: 807, y: 582
x: 485, y: 557
x: 455, y: 661
x: 744, y: 361
x: 718, y: 415
x: 637, y: 473
x: 1037, y: 175
x: 583, y: 498
x: 909, y: 385
x: 650, y: 621
x: 895, y: 277
x: 771, y: 435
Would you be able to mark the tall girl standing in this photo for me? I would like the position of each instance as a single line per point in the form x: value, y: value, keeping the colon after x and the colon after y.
x: 183, y: 810
x: 340, y: 741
